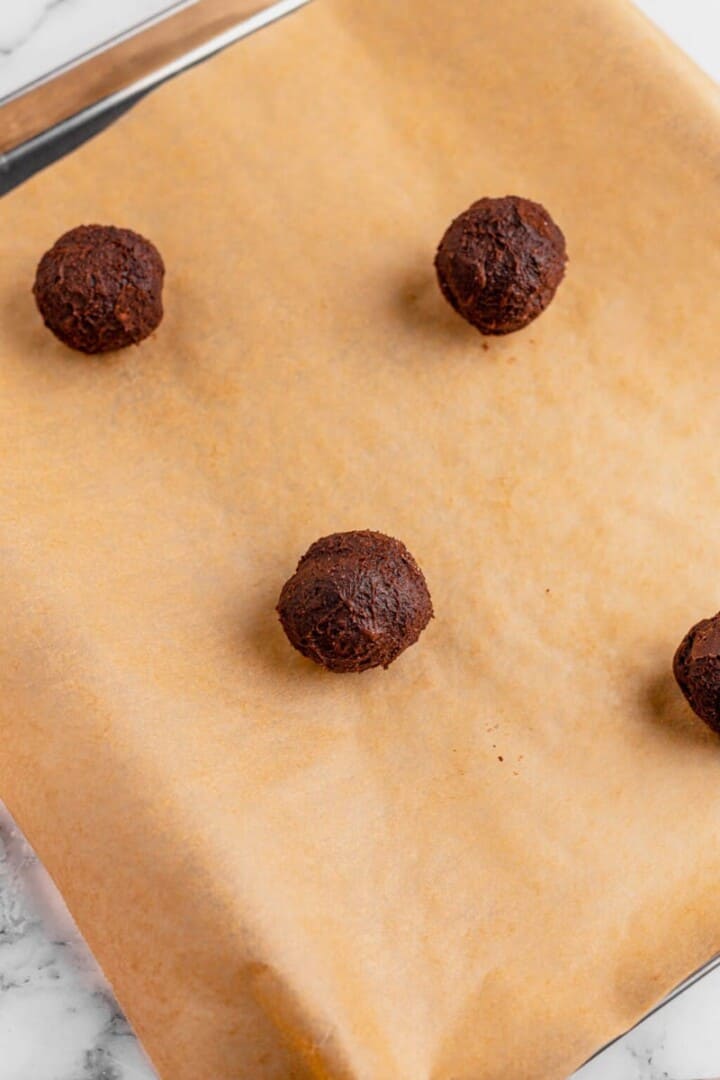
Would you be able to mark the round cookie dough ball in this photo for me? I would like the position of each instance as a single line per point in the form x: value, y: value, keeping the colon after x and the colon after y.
x: 500, y: 262
x: 697, y: 670
x: 99, y: 288
x: 356, y: 601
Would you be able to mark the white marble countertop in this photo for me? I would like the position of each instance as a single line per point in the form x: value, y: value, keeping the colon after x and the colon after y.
x: 58, y: 1019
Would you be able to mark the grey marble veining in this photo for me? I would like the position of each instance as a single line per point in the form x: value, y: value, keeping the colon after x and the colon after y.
x: 17, y: 31
x: 58, y: 1018
x: 679, y: 1042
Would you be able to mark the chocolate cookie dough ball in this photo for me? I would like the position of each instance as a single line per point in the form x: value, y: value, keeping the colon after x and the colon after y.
x: 356, y: 601
x: 99, y: 288
x: 500, y: 263
x: 697, y: 670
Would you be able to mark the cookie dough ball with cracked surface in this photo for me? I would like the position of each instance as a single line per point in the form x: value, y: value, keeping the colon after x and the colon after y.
x: 500, y: 262
x: 99, y: 288
x: 356, y: 601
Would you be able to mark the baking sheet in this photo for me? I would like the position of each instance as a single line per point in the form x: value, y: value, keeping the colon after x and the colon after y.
x: 123, y: 68
x: 498, y: 854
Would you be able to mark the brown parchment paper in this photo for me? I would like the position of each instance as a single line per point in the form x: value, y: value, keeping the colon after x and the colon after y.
x: 496, y: 855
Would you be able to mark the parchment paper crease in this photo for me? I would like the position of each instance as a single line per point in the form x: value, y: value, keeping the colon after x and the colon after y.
x: 493, y: 857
